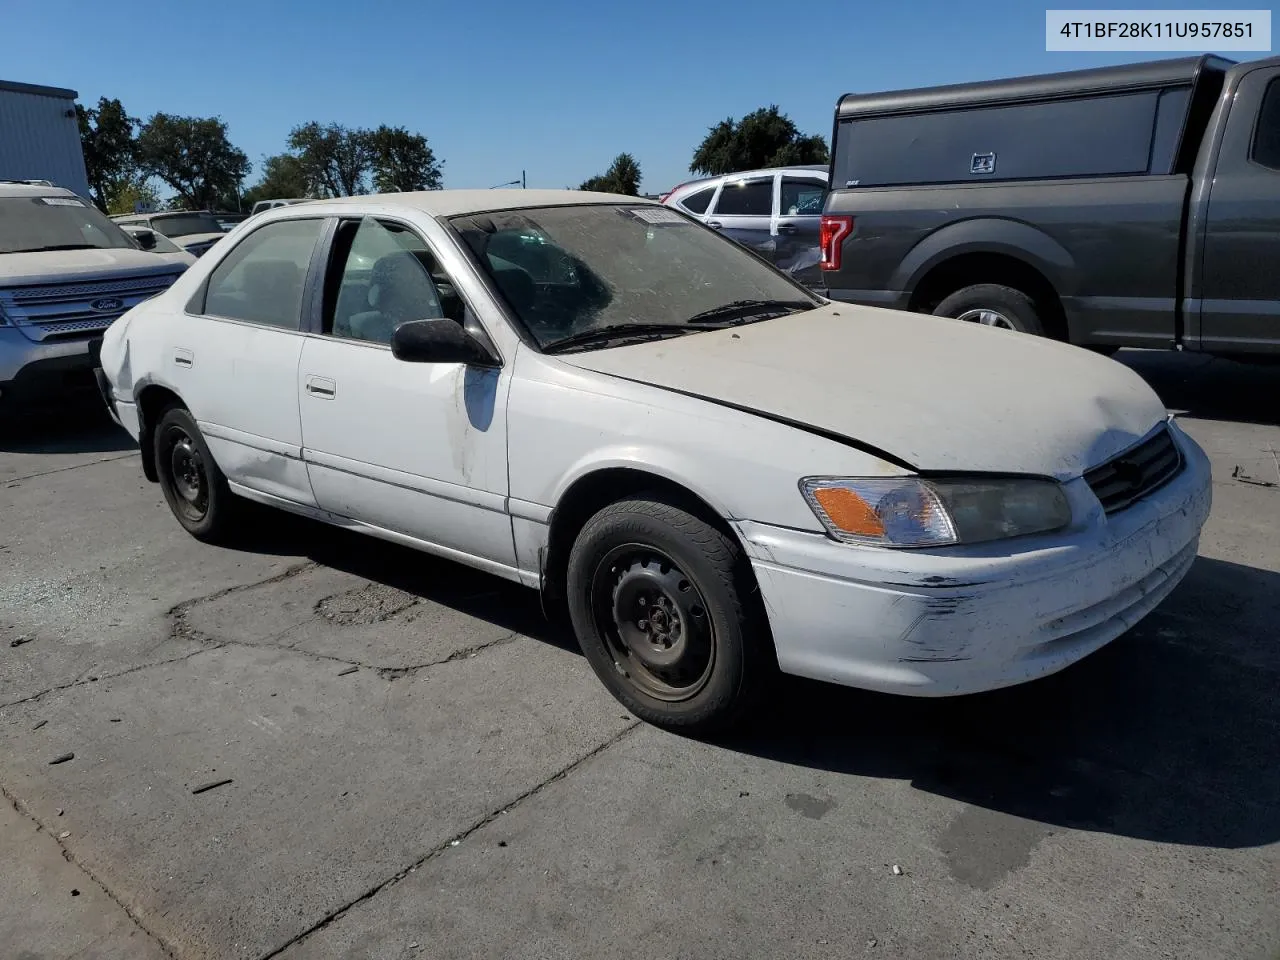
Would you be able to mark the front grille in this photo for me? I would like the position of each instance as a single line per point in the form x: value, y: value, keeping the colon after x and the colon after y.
x: 64, y: 311
x: 1129, y: 477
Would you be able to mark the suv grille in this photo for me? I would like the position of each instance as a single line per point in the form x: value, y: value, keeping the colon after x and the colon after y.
x: 1138, y: 471
x: 67, y: 310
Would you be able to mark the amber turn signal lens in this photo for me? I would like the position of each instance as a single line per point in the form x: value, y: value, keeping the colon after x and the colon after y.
x: 848, y: 511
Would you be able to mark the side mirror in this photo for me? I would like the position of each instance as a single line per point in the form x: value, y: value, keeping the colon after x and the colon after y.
x: 146, y: 239
x: 439, y: 341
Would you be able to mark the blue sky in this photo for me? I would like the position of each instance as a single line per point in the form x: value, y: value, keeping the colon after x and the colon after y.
x: 555, y: 88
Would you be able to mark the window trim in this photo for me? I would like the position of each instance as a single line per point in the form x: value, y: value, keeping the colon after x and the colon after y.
x: 196, y: 305
x: 1273, y: 81
x: 315, y: 326
x: 771, y: 179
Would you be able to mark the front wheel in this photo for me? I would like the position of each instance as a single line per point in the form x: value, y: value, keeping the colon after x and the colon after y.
x: 193, y: 485
x: 993, y: 305
x: 667, y: 613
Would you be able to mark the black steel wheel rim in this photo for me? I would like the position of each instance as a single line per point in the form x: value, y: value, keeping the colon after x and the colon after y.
x: 654, y: 621
x: 188, y: 476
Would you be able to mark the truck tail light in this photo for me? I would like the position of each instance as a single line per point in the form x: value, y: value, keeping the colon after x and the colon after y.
x: 831, y: 236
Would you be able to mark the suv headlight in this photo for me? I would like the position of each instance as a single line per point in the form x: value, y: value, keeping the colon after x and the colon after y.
x: 910, y: 512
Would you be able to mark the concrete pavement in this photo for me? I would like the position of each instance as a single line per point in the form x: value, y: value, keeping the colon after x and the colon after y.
x: 410, y: 763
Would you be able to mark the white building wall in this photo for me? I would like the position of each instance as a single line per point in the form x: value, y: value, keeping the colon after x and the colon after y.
x: 39, y: 136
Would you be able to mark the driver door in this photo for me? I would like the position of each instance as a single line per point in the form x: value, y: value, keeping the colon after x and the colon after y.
x: 417, y: 449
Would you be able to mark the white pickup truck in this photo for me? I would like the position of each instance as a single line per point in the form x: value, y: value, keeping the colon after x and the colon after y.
x: 66, y: 272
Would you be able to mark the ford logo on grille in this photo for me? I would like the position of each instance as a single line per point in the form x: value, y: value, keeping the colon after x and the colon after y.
x: 107, y: 304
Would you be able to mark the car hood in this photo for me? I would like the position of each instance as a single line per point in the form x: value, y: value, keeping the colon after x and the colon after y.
x: 934, y: 393
x: 68, y: 266
x: 195, y: 239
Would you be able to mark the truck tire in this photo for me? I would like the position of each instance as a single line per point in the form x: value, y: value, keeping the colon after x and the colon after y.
x: 993, y: 305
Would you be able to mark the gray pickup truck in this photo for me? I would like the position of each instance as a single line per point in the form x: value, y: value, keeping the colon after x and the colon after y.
x: 1132, y: 206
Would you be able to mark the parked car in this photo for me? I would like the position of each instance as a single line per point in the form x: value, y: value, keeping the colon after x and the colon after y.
x: 1132, y: 206
x: 272, y: 204
x: 66, y: 272
x: 229, y: 220
x: 718, y: 472
x: 159, y: 244
x: 776, y: 213
x: 193, y: 230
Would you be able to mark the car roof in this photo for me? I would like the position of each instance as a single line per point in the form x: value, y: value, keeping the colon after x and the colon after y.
x: 742, y: 174
x: 453, y: 203
x: 32, y: 190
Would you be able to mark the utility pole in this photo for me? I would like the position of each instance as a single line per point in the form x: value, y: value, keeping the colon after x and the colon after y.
x: 524, y: 184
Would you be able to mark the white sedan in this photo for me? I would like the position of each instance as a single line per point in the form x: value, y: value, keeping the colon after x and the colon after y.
x: 716, y: 472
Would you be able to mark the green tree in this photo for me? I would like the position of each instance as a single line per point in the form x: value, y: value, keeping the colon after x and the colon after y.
x: 402, y: 161
x: 336, y: 160
x: 110, y: 151
x: 623, y: 176
x: 193, y: 156
x: 761, y: 139
x: 126, y: 196
x: 283, y: 177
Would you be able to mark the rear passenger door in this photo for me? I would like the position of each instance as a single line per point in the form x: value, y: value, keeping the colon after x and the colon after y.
x: 797, y: 226
x: 744, y: 212
x: 1239, y: 287
x: 234, y: 357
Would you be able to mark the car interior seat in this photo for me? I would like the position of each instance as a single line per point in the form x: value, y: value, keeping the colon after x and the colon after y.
x: 400, y: 290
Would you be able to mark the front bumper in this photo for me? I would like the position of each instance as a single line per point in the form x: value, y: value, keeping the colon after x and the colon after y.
x: 32, y: 372
x: 972, y: 619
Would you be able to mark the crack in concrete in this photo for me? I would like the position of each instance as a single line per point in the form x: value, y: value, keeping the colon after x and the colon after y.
x: 74, y: 466
x: 177, y: 610
x: 337, y: 914
x: 398, y: 673
x: 21, y: 809
x: 98, y: 678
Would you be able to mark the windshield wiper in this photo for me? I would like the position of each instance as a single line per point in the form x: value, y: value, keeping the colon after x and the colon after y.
x: 620, y: 331
x: 56, y: 246
x: 742, y: 310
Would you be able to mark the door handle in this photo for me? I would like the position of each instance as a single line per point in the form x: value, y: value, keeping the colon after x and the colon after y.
x: 183, y: 357
x: 790, y: 229
x: 714, y: 224
x: 321, y: 387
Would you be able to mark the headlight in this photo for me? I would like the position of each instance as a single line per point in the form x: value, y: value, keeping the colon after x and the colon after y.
x: 908, y: 512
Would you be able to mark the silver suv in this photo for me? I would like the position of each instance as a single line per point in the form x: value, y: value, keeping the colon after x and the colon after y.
x: 66, y: 272
x: 776, y: 213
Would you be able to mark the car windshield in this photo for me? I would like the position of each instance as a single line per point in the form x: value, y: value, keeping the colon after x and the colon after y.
x: 575, y: 271
x: 32, y: 224
x: 185, y: 224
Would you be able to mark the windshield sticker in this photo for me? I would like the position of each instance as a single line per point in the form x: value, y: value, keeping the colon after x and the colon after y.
x: 63, y: 201
x: 655, y: 215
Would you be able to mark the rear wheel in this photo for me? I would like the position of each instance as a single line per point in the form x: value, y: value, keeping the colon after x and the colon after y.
x: 993, y: 305
x: 666, y: 610
x: 193, y: 485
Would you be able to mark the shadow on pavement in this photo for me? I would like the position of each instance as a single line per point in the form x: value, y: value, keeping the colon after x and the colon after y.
x: 1171, y: 733
x: 79, y: 425
x: 1209, y: 388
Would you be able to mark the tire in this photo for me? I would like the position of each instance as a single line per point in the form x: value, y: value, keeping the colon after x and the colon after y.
x: 696, y: 654
x: 193, y: 485
x: 992, y: 304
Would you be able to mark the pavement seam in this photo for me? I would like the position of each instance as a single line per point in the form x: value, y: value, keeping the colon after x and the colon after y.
x: 337, y: 914
x: 21, y: 809
x: 97, y: 678
x: 74, y: 466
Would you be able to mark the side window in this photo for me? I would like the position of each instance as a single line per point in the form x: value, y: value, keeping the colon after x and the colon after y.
x: 746, y: 198
x: 1266, y: 136
x: 261, y: 280
x: 698, y: 201
x: 382, y: 274
x: 801, y: 197
x: 1171, y: 114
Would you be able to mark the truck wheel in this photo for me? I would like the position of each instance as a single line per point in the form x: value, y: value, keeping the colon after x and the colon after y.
x: 193, y: 485
x: 993, y: 305
x: 665, y: 608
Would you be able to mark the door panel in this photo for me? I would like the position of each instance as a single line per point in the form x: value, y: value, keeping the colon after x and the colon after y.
x: 419, y: 449
x: 1240, y: 285
x: 236, y: 366
x: 744, y: 212
x: 796, y: 229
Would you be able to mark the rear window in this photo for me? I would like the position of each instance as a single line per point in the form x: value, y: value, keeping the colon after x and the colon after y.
x: 186, y: 225
x: 1089, y: 137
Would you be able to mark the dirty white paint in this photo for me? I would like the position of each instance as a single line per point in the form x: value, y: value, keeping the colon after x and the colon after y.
x: 470, y: 464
